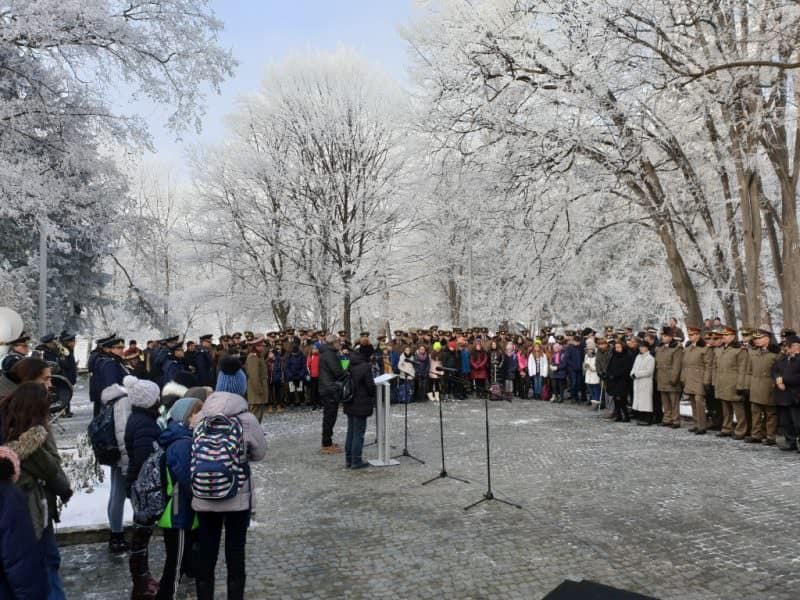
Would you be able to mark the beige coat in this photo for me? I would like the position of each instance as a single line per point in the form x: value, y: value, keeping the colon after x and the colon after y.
x: 256, y: 369
x: 729, y: 372
x: 696, y: 369
x: 759, y: 376
x: 668, y: 368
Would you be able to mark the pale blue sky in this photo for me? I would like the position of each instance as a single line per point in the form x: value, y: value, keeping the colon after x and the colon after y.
x: 261, y: 32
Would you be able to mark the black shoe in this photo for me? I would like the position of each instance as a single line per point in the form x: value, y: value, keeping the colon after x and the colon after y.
x: 68, y: 415
x: 117, y: 544
x: 700, y: 432
x: 235, y: 589
x: 204, y: 589
x: 361, y: 465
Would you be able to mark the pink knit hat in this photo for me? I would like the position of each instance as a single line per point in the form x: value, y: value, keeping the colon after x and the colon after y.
x: 8, y: 454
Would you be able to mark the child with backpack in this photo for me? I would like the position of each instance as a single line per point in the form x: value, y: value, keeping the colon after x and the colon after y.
x: 141, y: 435
x: 226, y: 439
x: 178, y: 520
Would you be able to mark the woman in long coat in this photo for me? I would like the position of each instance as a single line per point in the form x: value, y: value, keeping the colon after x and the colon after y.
x: 618, y: 374
x: 644, y: 367
x: 256, y: 370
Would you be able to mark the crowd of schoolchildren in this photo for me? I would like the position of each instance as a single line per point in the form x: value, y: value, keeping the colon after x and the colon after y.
x: 180, y: 455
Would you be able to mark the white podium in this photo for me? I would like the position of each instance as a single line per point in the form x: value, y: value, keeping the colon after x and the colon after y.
x: 383, y: 407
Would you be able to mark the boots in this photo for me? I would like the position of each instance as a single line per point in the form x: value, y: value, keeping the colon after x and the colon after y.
x: 431, y: 397
x: 144, y: 586
x: 117, y: 544
x: 436, y: 397
x: 205, y: 589
x: 235, y: 589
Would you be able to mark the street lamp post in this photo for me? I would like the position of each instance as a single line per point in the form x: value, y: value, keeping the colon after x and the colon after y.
x: 42, y: 276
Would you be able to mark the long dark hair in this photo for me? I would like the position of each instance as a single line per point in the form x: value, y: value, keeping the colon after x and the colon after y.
x: 25, y: 407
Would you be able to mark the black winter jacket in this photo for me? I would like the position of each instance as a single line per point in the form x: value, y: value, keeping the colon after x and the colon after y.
x: 140, y: 433
x: 330, y: 370
x: 619, y: 374
x: 363, y: 387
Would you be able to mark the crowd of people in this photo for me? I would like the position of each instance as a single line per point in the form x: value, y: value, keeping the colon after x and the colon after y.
x: 172, y: 409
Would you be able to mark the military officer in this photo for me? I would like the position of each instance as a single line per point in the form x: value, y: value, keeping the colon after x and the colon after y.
x: 762, y: 357
x: 669, y: 355
x: 786, y: 372
x: 730, y: 363
x: 18, y: 350
x: 696, y: 373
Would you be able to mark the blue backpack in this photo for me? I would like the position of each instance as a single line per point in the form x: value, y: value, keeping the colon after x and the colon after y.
x: 218, y: 466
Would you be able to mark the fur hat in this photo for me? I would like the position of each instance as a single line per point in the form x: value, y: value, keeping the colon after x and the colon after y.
x: 9, y: 465
x: 173, y: 388
x: 142, y: 393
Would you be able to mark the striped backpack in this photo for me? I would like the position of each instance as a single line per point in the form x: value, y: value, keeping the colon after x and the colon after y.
x: 218, y: 464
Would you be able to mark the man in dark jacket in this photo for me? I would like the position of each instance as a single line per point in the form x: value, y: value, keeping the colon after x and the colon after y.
x: 330, y: 371
x: 69, y: 365
x: 573, y: 364
x: 204, y: 362
x: 107, y: 367
x: 786, y: 373
x: 359, y: 409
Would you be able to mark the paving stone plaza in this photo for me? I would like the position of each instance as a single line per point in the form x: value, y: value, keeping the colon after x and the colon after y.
x: 648, y: 509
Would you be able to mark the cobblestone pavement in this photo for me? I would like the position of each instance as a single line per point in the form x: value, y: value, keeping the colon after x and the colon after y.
x: 649, y: 509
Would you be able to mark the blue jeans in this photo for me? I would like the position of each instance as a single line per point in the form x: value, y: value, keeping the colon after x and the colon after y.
x: 116, y: 500
x: 52, y: 559
x: 574, y: 384
x: 594, y: 391
x: 354, y: 444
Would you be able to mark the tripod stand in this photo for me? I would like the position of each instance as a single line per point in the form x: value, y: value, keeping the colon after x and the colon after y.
x: 489, y: 495
x: 443, y: 473
x: 405, y: 452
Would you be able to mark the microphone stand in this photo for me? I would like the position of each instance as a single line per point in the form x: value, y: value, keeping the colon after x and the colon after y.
x: 489, y: 495
x: 443, y: 473
x: 405, y: 453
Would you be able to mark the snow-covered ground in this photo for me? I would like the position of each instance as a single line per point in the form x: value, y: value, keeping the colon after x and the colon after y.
x: 89, y: 509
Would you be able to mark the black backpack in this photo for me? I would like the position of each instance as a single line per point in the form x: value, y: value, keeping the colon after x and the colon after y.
x: 103, y: 437
x: 345, y: 387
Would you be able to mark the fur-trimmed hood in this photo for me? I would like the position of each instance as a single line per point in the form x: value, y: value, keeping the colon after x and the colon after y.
x: 29, y: 442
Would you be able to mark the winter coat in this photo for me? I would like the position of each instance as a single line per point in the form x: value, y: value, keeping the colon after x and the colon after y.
x: 496, y: 366
x: 422, y: 365
x: 759, y: 375
x: 295, y: 367
x: 141, y: 431
x: 276, y: 372
x: 255, y: 368
x: 730, y: 367
x: 618, y: 374
x: 644, y: 367
x: 572, y: 361
x: 451, y: 359
x: 204, y: 366
x: 435, y: 369
x: 590, y: 370
x: 787, y: 367
x: 603, y: 356
x: 312, y: 365
x: 464, y: 362
x: 94, y: 375
x: 509, y: 367
x: 696, y: 367
x: 176, y: 440
x: 122, y: 410
x: 538, y: 366
x: 363, y: 387
x: 233, y: 405
x: 41, y: 477
x: 478, y: 363
x: 69, y: 367
x: 330, y: 370
x: 405, y: 367
x: 557, y: 368
x: 669, y: 360
x: 108, y: 370
x: 23, y: 573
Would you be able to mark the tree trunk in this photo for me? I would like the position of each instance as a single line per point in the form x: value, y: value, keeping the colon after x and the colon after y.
x: 454, y: 301
x: 346, y: 310
x: 790, y: 282
x: 681, y: 281
x: 280, y: 311
x: 750, y: 193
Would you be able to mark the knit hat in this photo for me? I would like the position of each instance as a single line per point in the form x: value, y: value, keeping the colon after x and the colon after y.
x: 142, y: 393
x: 181, y: 409
x: 229, y: 365
x: 9, y: 465
x: 235, y: 383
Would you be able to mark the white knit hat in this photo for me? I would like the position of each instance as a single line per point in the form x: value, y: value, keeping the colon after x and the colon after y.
x: 142, y: 393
